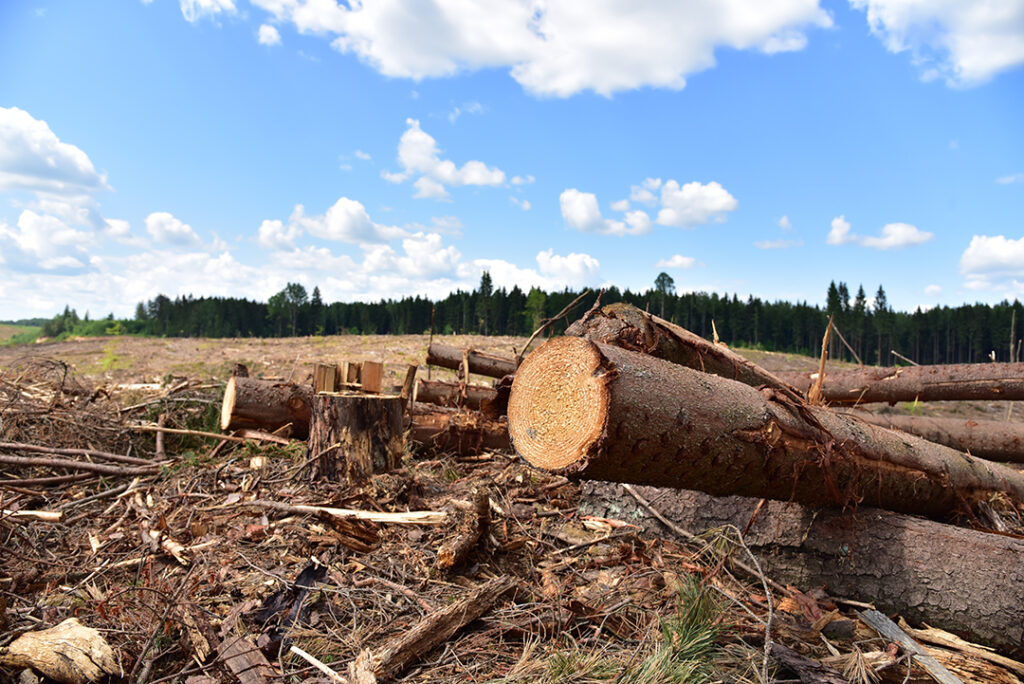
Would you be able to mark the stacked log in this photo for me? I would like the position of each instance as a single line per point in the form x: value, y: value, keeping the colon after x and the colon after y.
x: 951, y: 382
x: 994, y: 440
x: 251, y: 403
x: 596, y: 411
x: 481, y: 363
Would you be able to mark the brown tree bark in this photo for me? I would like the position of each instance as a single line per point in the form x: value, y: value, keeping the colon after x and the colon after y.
x: 481, y: 363
x: 453, y: 394
x: 456, y: 430
x: 626, y: 326
x: 266, y: 405
x: 964, y: 581
x: 354, y: 436
x: 953, y: 382
x: 599, y: 412
x: 994, y: 440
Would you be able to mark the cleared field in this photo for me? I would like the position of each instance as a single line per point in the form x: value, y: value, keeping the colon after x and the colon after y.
x: 9, y: 331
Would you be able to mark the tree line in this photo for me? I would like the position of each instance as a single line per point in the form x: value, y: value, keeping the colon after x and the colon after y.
x: 867, y: 329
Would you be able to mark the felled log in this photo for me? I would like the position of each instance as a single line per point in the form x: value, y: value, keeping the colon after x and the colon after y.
x: 626, y: 326
x: 595, y: 411
x: 952, y: 382
x: 481, y: 363
x: 352, y: 436
x: 266, y: 405
x: 456, y: 430
x: 994, y: 440
x: 453, y: 394
x: 964, y: 581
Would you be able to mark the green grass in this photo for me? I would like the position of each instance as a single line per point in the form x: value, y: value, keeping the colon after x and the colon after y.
x: 12, y: 335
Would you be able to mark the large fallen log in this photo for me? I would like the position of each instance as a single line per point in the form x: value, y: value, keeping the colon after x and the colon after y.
x: 481, y: 363
x: 595, y: 411
x: 626, y: 326
x: 952, y: 382
x: 456, y: 430
x: 964, y: 581
x: 994, y: 440
x: 266, y: 405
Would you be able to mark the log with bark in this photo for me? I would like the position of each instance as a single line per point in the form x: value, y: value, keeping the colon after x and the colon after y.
x: 456, y: 430
x: 481, y: 363
x: 952, y: 382
x: 626, y: 326
x: 454, y: 394
x: 965, y: 581
x: 353, y: 436
x: 994, y: 440
x: 595, y: 411
x: 266, y: 405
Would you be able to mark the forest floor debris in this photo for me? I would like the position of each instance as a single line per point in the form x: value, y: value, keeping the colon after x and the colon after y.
x: 189, y: 576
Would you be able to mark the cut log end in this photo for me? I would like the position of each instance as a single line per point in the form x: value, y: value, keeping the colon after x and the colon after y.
x: 227, y: 408
x: 559, y: 403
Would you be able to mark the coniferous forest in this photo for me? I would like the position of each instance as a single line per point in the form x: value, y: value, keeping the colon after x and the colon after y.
x: 872, y: 329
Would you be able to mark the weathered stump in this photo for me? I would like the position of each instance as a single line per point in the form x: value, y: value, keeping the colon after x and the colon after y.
x: 352, y: 436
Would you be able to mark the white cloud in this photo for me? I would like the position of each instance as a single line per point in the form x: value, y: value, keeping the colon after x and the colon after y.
x: 574, y: 270
x: 1012, y: 178
x: 275, y: 234
x: 467, y: 108
x: 992, y: 257
x: 933, y: 290
x: 580, y: 211
x: 521, y: 203
x: 785, y: 224
x: 894, y: 235
x: 365, y: 156
x: 165, y: 228
x: 45, y: 237
x: 644, y: 193
x: 522, y: 180
x: 269, y: 35
x: 194, y: 10
x: 345, y: 221
x: 118, y: 229
x: 620, y: 205
x: 840, y: 232
x: 419, y: 156
x: 694, y: 204
x: 778, y: 244
x: 676, y: 261
x: 554, y: 49
x: 33, y: 158
x: 966, y: 43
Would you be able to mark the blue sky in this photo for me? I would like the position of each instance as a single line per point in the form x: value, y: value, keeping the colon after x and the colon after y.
x: 392, y: 148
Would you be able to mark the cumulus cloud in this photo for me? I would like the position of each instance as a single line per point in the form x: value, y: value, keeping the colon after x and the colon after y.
x: 933, y: 290
x: 580, y: 210
x: 521, y: 203
x: 522, y: 180
x: 345, y: 221
x: 33, y: 158
x: 694, y: 204
x: 965, y: 43
x: 165, y: 228
x: 896, y: 235
x: 420, y: 157
x: 840, y: 232
x: 268, y: 35
x: 275, y: 234
x: 893, y: 236
x: 365, y: 156
x: 554, y: 49
x: 1012, y: 178
x: 553, y: 272
x: 194, y: 10
x: 991, y: 260
x: 676, y: 261
x: 466, y: 108
x: 785, y: 224
x: 45, y: 237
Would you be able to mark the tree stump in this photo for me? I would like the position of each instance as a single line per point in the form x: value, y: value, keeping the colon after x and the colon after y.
x: 352, y: 436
